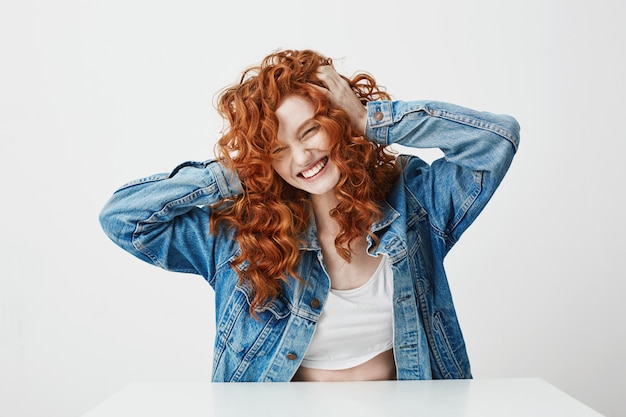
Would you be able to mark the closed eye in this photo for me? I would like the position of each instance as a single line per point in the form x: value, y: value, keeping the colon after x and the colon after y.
x: 279, y: 150
x: 310, y: 131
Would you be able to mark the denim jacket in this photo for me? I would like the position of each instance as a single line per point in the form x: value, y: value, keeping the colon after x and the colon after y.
x: 164, y: 220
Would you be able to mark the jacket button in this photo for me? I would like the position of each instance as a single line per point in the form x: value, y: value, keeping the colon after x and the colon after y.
x: 291, y: 356
x: 379, y: 116
x: 315, y: 303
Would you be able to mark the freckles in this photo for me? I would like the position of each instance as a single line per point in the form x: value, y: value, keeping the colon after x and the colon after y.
x: 280, y: 168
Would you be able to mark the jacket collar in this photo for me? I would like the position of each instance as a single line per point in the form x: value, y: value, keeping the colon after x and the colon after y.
x: 391, y: 240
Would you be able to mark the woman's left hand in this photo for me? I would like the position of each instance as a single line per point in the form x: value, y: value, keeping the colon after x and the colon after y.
x: 340, y: 95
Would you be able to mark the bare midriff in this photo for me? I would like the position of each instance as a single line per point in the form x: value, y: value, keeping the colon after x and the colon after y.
x: 380, y: 368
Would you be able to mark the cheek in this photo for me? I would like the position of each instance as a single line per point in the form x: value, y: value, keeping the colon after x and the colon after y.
x: 280, y: 167
x: 323, y: 141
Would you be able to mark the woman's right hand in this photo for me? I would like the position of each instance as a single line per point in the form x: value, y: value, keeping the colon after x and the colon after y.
x: 340, y: 95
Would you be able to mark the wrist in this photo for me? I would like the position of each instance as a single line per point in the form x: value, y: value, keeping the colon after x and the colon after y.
x: 359, y: 121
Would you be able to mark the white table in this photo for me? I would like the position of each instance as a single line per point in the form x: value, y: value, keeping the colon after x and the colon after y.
x: 524, y: 397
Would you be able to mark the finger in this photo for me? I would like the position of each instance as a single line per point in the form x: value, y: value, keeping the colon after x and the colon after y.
x: 328, y: 76
x: 321, y: 89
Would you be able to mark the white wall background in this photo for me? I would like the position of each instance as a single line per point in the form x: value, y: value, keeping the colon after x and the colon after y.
x: 95, y: 93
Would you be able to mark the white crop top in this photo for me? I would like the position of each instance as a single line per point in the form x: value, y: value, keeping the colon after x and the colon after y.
x: 355, y: 325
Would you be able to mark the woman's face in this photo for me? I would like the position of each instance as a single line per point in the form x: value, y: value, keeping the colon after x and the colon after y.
x: 301, y: 157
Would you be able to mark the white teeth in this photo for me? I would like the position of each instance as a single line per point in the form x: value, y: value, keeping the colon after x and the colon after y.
x: 317, y: 168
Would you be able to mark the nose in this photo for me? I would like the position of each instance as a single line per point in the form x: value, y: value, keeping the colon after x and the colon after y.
x: 301, y: 154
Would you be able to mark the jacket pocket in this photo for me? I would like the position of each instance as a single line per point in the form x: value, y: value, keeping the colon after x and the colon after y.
x: 449, y: 351
x: 243, y: 343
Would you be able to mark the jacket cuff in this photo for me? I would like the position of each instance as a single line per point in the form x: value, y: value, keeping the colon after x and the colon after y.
x: 379, y: 115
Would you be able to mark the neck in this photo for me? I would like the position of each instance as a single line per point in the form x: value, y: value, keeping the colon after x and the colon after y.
x: 327, y: 227
x: 327, y: 231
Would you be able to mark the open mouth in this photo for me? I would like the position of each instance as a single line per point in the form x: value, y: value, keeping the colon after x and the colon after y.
x: 311, y: 172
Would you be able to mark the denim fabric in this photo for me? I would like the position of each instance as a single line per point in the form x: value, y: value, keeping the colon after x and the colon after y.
x: 164, y: 220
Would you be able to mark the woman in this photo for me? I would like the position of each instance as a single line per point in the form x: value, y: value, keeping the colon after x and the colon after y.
x: 325, y: 250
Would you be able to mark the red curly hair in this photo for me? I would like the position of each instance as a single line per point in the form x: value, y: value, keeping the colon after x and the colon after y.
x: 271, y: 216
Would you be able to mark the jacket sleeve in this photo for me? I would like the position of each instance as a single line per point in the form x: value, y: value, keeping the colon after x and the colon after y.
x: 164, y: 219
x: 478, y: 149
